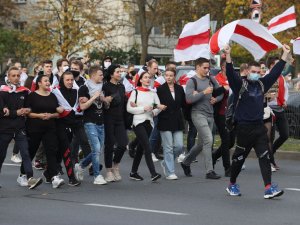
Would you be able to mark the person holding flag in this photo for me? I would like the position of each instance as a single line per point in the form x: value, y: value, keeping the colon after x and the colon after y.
x: 250, y: 130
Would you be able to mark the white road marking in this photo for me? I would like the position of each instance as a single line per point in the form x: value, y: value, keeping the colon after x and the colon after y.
x: 11, y: 164
x: 137, y: 209
x: 292, y: 189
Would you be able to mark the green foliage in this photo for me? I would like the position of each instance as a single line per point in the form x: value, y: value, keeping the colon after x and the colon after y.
x: 11, y: 46
x: 119, y: 55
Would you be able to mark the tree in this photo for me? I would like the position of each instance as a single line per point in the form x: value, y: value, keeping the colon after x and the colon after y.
x: 169, y: 16
x: 65, y: 27
x: 7, y: 10
x: 238, y: 9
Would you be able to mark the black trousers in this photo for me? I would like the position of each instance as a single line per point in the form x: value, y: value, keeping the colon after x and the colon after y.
x: 50, y: 143
x: 143, y: 132
x: 65, y: 134
x: 21, y: 143
x: 115, y: 142
x: 223, y: 149
x: 251, y: 136
x: 283, y: 128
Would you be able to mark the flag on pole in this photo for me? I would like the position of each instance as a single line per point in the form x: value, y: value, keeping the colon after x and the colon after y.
x: 193, y: 41
x: 249, y: 34
x: 296, y: 46
x: 283, y: 22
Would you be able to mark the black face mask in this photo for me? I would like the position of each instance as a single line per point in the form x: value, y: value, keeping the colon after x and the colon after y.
x: 75, y: 73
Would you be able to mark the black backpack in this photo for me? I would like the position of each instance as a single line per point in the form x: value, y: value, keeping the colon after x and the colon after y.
x: 128, y: 117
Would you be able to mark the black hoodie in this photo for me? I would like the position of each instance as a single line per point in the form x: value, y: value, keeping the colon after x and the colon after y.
x: 13, y: 101
x: 71, y: 96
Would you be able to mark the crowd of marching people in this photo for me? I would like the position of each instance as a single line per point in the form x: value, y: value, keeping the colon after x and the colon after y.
x: 73, y: 114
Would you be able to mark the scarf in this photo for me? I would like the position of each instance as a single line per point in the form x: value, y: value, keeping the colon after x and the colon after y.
x: 10, y: 88
x: 93, y: 87
x: 142, y: 89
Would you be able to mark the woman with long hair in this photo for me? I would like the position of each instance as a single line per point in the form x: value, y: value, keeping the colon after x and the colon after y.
x: 41, y: 126
x: 143, y: 104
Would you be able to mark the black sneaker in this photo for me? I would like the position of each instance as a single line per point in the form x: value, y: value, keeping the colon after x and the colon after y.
x: 135, y: 176
x: 47, y: 177
x: 212, y: 175
x: 155, y: 177
x: 73, y: 182
x: 186, y: 170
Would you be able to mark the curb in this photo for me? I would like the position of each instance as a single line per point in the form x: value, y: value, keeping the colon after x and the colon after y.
x: 280, y: 155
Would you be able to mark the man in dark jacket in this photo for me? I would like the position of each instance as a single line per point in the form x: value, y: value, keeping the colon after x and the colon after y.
x: 12, y: 125
x: 249, y: 111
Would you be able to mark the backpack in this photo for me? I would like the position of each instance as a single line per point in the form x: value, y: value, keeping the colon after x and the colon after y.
x: 232, y: 105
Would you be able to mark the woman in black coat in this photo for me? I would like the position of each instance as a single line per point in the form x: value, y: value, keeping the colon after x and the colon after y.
x: 171, y: 122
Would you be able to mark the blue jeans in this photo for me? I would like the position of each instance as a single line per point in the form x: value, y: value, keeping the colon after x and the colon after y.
x: 154, y: 137
x: 95, y: 134
x: 172, y: 143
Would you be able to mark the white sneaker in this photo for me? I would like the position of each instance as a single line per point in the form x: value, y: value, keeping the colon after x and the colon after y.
x: 15, y: 158
x: 22, y: 180
x: 273, y: 169
x: 117, y: 175
x: 79, y: 172
x: 99, y: 180
x: 180, y: 158
x: 172, y: 177
x: 110, y: 177
x: 154, y: 159
x: 57, y: 182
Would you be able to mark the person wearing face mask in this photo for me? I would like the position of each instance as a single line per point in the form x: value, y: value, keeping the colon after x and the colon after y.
x: 249, y: 111
x: 106, y: 62
x: 76, y: 69
x: 62, y: 66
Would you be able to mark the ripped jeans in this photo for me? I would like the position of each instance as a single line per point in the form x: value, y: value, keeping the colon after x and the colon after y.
x: 251, y: 136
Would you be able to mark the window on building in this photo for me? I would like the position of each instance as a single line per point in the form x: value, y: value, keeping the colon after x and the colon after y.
x: 20, y: 1
x: 19, y: 25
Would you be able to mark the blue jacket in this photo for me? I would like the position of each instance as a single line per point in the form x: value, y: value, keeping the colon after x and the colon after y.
x: 250, y: 108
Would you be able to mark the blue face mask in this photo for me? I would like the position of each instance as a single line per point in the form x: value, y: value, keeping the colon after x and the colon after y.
x: 254, y: 76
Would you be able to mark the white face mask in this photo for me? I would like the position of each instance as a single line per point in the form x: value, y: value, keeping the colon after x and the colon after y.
x: 107, y: 64
x: 65, y: 68
x: 123, y: 74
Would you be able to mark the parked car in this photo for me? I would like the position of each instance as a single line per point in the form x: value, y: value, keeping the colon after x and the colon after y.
x: 293, y: 114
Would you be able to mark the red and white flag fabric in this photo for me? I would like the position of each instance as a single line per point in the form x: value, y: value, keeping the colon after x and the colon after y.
x: 193, y: 41
x: 296, y: 46
x: 159, y: 81
x: 283, y: 22
x: 184, y: 78
x: 249, y: 34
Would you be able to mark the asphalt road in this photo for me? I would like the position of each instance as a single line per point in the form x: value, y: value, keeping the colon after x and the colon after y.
x: 185, y: 201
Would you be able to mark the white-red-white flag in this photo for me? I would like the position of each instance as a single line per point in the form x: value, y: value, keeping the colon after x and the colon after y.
x: 249, y: 34
x: 193, y: 41
x: 184, y: 78
x: 296, y: 46
x: 159, y: 81
x: 283, y: 22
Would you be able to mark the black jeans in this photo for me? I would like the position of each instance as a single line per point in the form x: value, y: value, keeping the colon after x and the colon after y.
x: 191, y: 136
x: 116, y: 141
x: 143, y: 132
x: 283, y: 128
x: 50, y: 143
x: 251, y: 136
x: 79, y: 139
x: 223, y: 149
x: 21, y: 143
